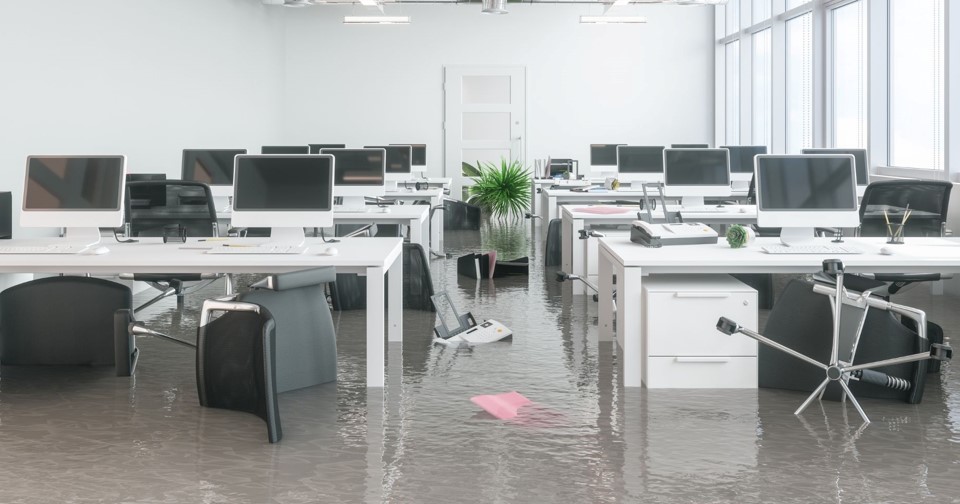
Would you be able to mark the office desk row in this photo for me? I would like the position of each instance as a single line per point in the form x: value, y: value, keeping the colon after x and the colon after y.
x: 373, y: 258
x: 630, y: 263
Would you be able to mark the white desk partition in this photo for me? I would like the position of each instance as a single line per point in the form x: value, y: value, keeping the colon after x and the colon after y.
x: 372, y: 257
x: 629, y: 262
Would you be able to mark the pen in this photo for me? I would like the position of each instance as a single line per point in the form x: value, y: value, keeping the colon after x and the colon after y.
x: 238, y: 245
x: 886, y: 217
x: 212, y: 239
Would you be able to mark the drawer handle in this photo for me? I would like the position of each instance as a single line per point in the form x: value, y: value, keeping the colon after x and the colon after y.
x: 702, y: 360
x: 701, y: 294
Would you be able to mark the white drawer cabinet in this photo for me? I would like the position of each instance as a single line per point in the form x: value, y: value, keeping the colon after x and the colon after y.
x: 680, y: 344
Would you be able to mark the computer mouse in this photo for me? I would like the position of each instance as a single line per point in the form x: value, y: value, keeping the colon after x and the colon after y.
x: 329, y: 251
x: 742, y: 210
x: 97, y: 251
x: 886, y: 251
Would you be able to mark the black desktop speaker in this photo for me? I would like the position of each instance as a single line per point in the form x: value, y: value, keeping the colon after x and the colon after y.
x: 6, y: 215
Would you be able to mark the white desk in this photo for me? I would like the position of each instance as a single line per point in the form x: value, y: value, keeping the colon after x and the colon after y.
x: 426, y: 183
x: 537, y: 186
x: 579, y: 257
x: 550, y: 199
x: 435, y: 197
x: 630, y: 262
x: 370, y: 257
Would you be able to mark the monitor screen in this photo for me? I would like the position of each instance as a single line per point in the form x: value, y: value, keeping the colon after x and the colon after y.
x: 316, y: 148
x: 74, y: 183
x: 419, y: 154
x: 689, y: 146
x: 398, y: 157
x: 283, y: 183
x: 803, y: 183
x: 741, y: 157
x: 285, y: 149
x: 357, y: 167
x: 696, y: 167
x: 640, y: 159
x: 859, y: 160
x: 603, y: 154
x: 210, y: 166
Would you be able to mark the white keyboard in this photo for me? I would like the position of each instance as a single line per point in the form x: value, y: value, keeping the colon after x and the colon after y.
x: 827, y: 249
x: 363, y: 209
x: 42, y: 249
x: 259, y: 249
x: 709, y: 209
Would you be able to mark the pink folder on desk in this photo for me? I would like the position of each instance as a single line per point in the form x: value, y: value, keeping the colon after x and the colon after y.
x: 605, y: 210
x: 502, y: 406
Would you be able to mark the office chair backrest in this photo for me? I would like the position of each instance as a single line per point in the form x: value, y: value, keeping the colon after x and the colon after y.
x: 158, y: 206
x: 927, y: 200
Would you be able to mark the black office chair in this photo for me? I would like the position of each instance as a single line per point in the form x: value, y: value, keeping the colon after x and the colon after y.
x: 66, y: 321
x: 174, y: 209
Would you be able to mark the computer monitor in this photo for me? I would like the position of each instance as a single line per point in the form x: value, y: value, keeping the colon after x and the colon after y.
x: 861, y: 163
x: 283, y: 192
x: 692, y: 174
x: 603, y: 158
x: 358, y: 173
x: 213, y: 167
x: 285, y: 149
x: 418, y: 157
x: 316, y: 148
x: 689, y: 146
x: 398, y: 162
x: 801, y: 192
x: 741, y: 161
x: 640, y: 163
x: 79, y: 193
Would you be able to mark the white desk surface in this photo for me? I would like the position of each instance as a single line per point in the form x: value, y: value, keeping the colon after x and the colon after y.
x: 730, y: 213
x: 630, y: 262
x: 372, y: 257
x: 411, y: 192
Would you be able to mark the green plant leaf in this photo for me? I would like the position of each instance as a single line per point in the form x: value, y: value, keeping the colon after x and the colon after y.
x: 502, y: 190
x: 469, y: 170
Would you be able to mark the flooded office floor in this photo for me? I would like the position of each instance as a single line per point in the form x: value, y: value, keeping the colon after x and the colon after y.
x: 83, y: 435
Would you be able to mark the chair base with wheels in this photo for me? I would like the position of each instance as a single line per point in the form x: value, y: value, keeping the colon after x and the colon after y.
x: 840, y: 368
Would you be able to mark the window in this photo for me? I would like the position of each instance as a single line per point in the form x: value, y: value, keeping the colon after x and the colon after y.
x: 916, y: 84
x: 761, y: 10
x: 761, y: 104
x: 732, y: 17
x: 799, y: 96
x: 732, y: 90
x: 792, y: 4
x: 849, y: 71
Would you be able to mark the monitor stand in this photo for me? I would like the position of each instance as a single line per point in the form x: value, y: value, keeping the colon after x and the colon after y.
x: 796, y: 235
x: 691, y: 201
x: 286, y: 236
x: 351, y: 204
x: 82, y: 236
x: 390, y: 185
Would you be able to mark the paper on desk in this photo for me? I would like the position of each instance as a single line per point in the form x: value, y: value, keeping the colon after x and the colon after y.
x: 605, y: 210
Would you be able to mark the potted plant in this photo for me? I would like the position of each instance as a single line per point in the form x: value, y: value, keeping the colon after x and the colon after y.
x: 503, y: 190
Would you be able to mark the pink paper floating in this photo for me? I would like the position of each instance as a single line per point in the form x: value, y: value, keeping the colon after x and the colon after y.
x: 502, y: 406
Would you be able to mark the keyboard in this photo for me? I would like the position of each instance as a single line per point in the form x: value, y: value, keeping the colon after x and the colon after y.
x: 828, y: 249
x: 363, y: 209
x: 259, y: 249
x: 709, y: 209
x: 42, y: 249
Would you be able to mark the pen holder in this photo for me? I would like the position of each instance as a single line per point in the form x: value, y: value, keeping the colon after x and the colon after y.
x: 895, y: 234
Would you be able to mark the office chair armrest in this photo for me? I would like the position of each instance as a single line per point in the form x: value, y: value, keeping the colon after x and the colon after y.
x: 297, y: 279
x: 358, y: 232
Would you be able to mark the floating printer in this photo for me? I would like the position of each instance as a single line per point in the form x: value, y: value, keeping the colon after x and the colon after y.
x: 456, y: 329
x: 681, y: 233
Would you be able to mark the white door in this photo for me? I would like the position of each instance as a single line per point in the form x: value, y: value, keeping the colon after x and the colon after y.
x: 484, y: 118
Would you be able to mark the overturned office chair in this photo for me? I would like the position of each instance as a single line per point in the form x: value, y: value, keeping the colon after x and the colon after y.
x: 174, y: 209
x: 236, y: 361
x: 862, y: 328
x: 65, y: 321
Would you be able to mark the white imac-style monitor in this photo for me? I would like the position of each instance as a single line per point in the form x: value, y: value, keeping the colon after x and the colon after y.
x: 603, y: 158
x: 213, y: 167
x: 316, y: 148
x: 285, y: 149
x: 639, y: 163
x: 398, y: 163
x: 692, y: 174
x: 861, y: 163
x: 801, y: 192
x: 418, y: 157
x: 741, y: 162
x: 79, y: 193
x: 358, y: 173
x: 283, y: 192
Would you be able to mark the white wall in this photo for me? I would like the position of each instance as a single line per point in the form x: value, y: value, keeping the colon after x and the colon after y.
x: 639, y: 84
x: 141, y: 78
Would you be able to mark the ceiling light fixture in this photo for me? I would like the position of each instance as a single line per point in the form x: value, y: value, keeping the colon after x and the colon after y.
x: 612, y: 19
x: 384, y: 20
x: 494, y: 6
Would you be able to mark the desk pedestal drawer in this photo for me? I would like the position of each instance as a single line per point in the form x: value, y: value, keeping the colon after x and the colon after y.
x: 700, y: 372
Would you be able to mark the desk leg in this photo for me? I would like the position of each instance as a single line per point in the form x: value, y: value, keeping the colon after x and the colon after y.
x: 416, y: 232
x: 395, y: 301
x: 376, y: 361
x: 605, y: 297
x: 436, y: 226
x: 629, y: 291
